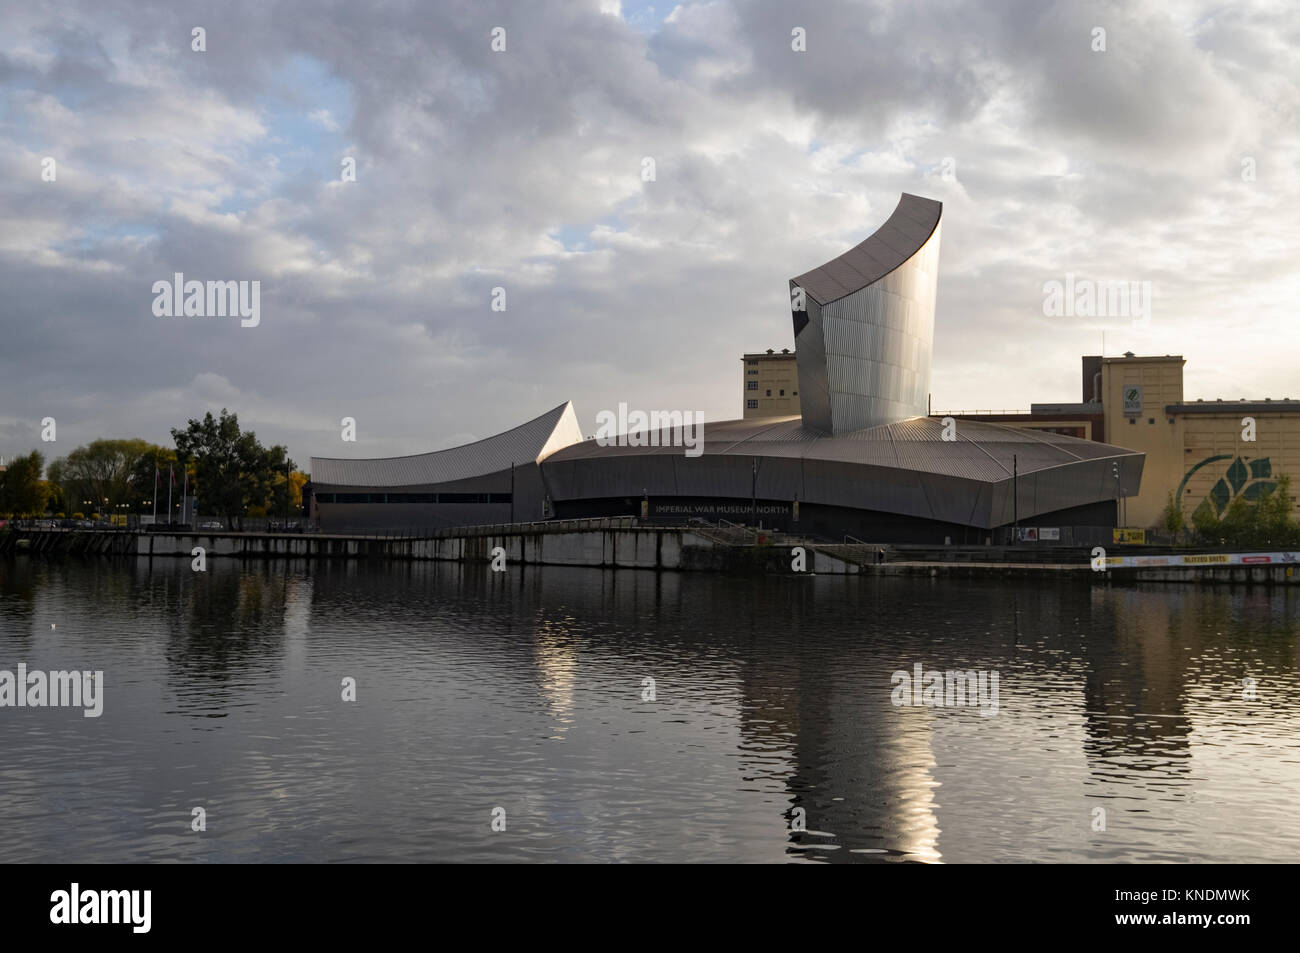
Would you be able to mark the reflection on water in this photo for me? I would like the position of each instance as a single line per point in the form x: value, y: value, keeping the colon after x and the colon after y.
x: 524, y: 691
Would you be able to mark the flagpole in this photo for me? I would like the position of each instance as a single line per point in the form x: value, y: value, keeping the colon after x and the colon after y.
x: 185, y: 492
x: 171, y: 479
x: 156, y: 478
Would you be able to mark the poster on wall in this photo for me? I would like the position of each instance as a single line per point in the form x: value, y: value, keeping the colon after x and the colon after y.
x: 1049, y: 532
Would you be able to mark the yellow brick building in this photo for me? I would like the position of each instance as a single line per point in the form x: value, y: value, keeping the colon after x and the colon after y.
x: 770, y: 384
x: 1208, y: 452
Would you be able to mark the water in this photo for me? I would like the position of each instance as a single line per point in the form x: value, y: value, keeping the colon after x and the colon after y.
x: 524, y: 691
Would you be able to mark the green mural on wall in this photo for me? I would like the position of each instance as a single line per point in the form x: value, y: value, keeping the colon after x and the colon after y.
x: 1249, y: 480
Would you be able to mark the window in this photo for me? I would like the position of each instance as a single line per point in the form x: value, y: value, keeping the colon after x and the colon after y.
x: 751, y: 372
x: 753, y: 405
x: 752, y: 363
x: 782, y: 392
x: 795, y: 394
x: 413, y: 497
x: 769, y: 392
x: 751, y: 385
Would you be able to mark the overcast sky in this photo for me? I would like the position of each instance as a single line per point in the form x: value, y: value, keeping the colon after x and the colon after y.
x: 523, y: 169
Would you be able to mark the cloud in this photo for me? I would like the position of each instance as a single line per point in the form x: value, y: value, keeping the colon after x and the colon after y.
x: 477, y: 170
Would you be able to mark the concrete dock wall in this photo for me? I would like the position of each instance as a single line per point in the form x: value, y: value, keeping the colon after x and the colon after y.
x: 621, y: 544
x: 659, y: 548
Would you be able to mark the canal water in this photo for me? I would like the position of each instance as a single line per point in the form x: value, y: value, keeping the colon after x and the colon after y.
x: 547, y: 714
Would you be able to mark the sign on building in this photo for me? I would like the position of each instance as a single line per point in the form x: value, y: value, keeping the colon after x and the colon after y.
x: 1126, y: 535
x: 1049, y: 532
x: 1133, y: 400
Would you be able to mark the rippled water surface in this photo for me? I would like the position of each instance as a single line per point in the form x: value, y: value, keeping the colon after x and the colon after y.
x: 526, y: 691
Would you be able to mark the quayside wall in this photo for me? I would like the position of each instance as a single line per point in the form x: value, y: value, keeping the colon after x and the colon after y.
x: 613, y: 543
x: 619, y: 543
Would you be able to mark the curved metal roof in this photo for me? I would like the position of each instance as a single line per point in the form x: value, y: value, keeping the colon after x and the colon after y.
x: 901, y: 237
x: 905, y: 467
x: 528, y: 443
x: 981, y: 451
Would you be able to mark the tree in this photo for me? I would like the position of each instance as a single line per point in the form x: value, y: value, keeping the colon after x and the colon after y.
x: 1264, y: 521
x: 1171, y: 519
x: 55, y: 500
x: 1273, y: 514
x: 1206, y: 524
x: 22, y: 491
x: 150, y: 468
x: 234, y: 470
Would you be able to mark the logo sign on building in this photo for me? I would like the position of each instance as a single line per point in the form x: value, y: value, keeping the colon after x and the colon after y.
x: 1133, y: 400
x: 1049, y: 532
x: 1029, y: 534
x: 1126, y: 535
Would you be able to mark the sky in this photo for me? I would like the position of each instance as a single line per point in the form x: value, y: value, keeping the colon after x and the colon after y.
x: 1140, y: 142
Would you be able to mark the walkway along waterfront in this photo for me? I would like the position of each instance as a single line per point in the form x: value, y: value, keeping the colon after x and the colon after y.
x: 621, y: 543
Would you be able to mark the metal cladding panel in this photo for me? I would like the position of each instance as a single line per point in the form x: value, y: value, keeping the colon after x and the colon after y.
x: 878, y: 345
x: 524, y: 444
x: 673, y: 474
x: 864, y: 344
x: 952, y: 499
x: 810, y: 359
x: 372, y: 517
x: 886, y: 489
x: 622, y: 475
x: 1087, y: 481
x: 529, y: 492
x: 498, y: 482
x: 711, y: 475
x: 779, y: 479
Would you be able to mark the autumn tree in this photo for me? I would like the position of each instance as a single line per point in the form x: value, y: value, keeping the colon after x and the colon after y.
x: 22, y: 491
x: 109, y: 473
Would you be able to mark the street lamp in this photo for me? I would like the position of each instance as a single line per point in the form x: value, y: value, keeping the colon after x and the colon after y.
x: 1114, y: 468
